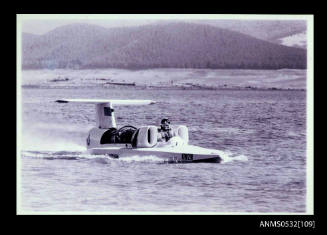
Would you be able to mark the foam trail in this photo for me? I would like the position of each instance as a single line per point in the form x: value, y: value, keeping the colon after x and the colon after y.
x: 44, y: 144
x: 241, y: 157
x: 51, y: 137
x: 62, y: 155
x: 103, y: 159
x: 228, y: 156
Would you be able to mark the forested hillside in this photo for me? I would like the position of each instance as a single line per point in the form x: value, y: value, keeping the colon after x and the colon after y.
x: 173, y: 45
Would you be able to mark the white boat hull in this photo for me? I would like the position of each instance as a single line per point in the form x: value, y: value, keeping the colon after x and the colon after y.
x: 182, y: 154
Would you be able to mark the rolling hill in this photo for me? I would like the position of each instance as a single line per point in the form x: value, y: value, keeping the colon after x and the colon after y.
x: 171, y: 45
x: 268, y: 30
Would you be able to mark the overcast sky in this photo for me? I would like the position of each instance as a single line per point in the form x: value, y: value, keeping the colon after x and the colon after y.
x: 44, y: 26
x: 40, y: 24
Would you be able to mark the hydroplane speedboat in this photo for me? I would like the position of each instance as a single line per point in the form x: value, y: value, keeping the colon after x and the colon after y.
x: 127, y: 141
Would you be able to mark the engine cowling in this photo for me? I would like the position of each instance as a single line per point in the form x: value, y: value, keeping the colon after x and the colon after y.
x: 181, y: 131
x: 94, y: 137
x: 146, y: 137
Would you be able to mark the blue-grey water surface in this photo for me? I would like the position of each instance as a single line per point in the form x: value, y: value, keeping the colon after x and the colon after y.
x: 262, y: 132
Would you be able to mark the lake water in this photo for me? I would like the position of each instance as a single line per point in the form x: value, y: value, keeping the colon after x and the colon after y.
x: 262, y: 134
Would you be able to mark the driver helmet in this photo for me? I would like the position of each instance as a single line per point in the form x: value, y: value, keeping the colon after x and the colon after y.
x: 165, y: 120
x: 165, y: 124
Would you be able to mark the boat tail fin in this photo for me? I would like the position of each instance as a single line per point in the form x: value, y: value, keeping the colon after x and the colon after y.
x: 105, y: 117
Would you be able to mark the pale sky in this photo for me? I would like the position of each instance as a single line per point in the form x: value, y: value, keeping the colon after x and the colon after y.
x: 40, y: 24
x: 44, y: 26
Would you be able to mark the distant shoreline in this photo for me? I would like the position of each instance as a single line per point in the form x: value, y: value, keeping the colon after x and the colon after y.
x: 142, y: 87
x: 181, y: 79
x: 150, y: 68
